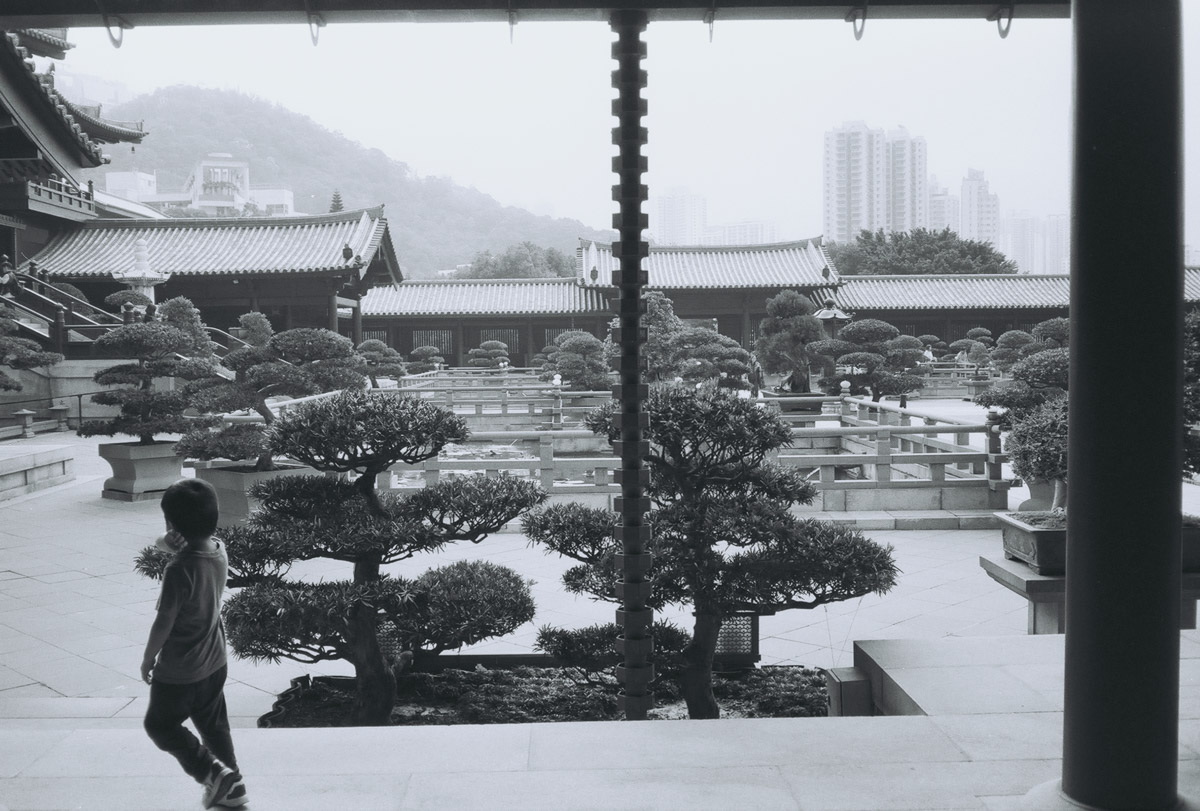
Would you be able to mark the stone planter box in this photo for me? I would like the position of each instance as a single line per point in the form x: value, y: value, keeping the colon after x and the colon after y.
x: 140, y: 472
x: 232, y: 483
x: 1044, y: 549
x: 976, y: 387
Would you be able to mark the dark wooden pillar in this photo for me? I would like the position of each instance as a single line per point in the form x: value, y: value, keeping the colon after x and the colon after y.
x: 1120, y: 746
x: 333, y: 306
x: 634, y: 617
x: 358, y: 328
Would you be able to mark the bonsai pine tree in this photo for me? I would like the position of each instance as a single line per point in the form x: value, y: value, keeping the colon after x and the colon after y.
x: 725, y: 539
x: 361, y: 435
x: 784, y: 336
x: 661, y: 325
x: 489, y: 355
x: 380, y: 360
x: 878, y: 355
x: 701, y: 354
x: 335, y: 202
x: 424, y: 359
x: 1007, y: 350
x: 579, y: 358
x: 19, y: 353
x: 1038, y: 378
x: 981, y: 334
x: 294, y: 363
x: 156, y: 350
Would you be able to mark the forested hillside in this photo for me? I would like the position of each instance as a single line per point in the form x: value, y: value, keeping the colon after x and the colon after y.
x: 435, y: 223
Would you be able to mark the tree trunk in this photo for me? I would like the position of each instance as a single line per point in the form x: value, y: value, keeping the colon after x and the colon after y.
x: 696, y: 676
x: 376, y: 694
x: 799, y: 382
x: 1060, y: 495
x: 376, y: 683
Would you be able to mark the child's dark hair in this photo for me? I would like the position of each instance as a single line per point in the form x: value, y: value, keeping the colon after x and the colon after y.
x: 191, y: 507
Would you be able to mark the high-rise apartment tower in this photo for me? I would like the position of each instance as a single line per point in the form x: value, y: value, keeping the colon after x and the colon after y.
x: 873, y: 180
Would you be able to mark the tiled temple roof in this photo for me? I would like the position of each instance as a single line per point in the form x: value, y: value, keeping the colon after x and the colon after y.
x: 801, y: 264
x: 104, y: 130
x: 18, y: 68
x: 954, y: 292
x: 224, y: 246
x: 487, y: 297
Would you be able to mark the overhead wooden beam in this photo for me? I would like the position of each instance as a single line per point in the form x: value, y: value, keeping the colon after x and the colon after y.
x: 86, y: 13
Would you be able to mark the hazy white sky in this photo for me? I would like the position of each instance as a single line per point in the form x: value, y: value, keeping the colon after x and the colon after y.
x: 739, y: 120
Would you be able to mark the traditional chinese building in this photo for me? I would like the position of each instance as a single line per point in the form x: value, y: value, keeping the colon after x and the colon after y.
x: 45, y: 140
x: 309, y: 271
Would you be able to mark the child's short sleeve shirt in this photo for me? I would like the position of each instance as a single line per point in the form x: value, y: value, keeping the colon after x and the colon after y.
x: 193, y: 584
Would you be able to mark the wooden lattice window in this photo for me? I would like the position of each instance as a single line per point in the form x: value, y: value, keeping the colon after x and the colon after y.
x: 443, y: 339
x: 508, y: 337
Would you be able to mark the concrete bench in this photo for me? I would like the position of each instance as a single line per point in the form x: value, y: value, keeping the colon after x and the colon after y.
x: 1047, y: 594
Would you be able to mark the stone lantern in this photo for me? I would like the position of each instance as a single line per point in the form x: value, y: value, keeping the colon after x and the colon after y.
x: 141, y: 278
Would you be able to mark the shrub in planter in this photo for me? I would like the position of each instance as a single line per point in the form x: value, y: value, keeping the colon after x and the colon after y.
x: 724, y: 537
x: 703, y: 355
x: 1037, y: 447
x: 499, y: 602
x: 295, y: 363
x: 589, y: 656
x: 344, y: 518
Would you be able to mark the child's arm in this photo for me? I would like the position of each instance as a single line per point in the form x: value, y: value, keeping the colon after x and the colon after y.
x: 164, y: 620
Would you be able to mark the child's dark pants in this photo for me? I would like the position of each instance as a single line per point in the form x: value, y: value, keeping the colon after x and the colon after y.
x: 203, y: 702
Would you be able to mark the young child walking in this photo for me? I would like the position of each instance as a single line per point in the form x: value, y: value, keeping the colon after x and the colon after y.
x: 185, y: 663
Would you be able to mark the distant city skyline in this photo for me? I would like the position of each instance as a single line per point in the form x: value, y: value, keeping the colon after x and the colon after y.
x: 739, y: 120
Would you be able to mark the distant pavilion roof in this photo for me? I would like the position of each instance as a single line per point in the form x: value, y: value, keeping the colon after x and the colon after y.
x: 486, y: 297
x: 50, y: 42
x: 44, y: 117
x: 1191, y: 283
x: 225, y: 246
x: 801, y: 264
x: 954, y: 292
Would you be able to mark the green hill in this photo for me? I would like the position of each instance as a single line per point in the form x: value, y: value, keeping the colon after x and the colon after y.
x: 435, y: 223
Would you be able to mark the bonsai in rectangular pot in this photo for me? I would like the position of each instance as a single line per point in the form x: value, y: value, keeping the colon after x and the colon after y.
x: 1039, y: 539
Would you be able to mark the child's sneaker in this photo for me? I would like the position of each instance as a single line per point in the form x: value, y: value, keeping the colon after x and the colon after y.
x: 220, y: 779
x: 235, y: 797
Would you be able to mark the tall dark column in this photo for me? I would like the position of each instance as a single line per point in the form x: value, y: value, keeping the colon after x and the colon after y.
x: 635, y: 619
x: 1120, y: 745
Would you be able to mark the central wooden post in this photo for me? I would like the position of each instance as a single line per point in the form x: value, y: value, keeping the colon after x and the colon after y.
x: 636, y: 642
x: 1121, y: 710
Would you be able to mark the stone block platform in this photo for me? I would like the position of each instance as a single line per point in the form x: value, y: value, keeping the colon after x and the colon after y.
x: 25, y: 469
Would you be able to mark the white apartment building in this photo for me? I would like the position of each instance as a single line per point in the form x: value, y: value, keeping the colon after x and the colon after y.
x: 1023, y: 241
x: 680, y: 218
x: 979, y: 210
x: 853, y: 182
x: 943, y: 207
x: 872, y: 180
x: 219, y: 185
x: 907, y: 181
x: 1057, y: 244
x: 746, y: 232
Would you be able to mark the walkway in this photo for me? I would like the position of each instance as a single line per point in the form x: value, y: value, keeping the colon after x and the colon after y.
x: 73, y: 620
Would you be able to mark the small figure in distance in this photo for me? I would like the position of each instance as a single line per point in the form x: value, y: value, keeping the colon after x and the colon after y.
x: 185, y: 661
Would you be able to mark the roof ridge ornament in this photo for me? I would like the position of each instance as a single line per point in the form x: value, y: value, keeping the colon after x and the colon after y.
x: 1002, y: 16
x: 857, y: 16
